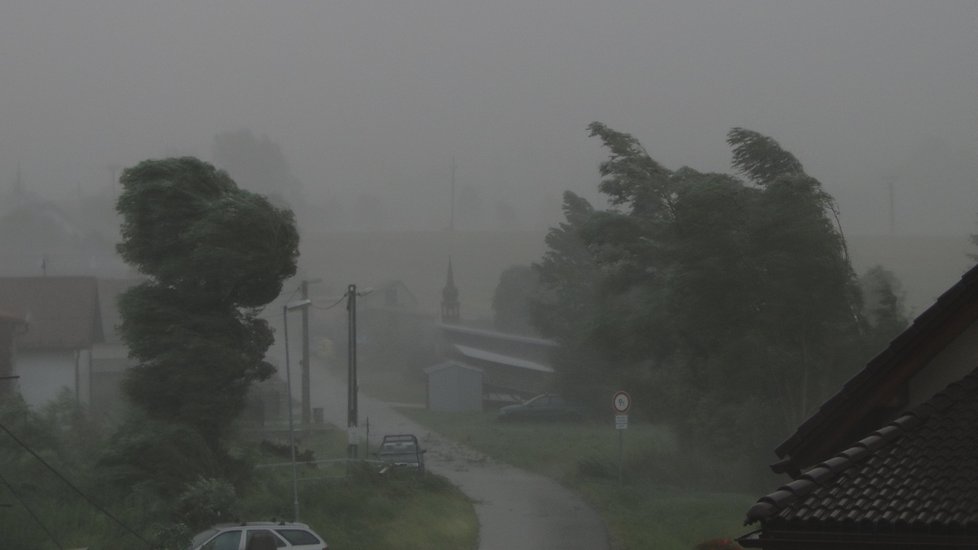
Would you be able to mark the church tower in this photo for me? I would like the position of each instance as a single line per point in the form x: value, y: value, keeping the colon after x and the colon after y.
x: 449, y: 298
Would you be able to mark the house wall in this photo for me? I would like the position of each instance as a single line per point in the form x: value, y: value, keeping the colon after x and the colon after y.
x: 43, y: 375
x: 108, y: 368
x: 956, y: 360
x: 523, y: 381
x: 455, y: 389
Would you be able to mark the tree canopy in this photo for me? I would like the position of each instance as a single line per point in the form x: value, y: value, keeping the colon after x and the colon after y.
x: 212, y: 254
x: 726, y: 304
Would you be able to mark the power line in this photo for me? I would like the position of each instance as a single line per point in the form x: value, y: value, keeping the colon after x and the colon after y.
x: 31, y: 512
x: 74, y: 488
x: 331, y: 306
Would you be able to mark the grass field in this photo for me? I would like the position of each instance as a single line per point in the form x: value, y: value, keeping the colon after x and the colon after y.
x: 664, y: 500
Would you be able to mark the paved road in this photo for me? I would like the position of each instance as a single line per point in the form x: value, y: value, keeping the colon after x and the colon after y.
x: 517, y: 510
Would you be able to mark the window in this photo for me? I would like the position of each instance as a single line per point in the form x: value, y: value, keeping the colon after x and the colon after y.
x: 228, y: 540
x: 263, y: 538
x: 297, y: 536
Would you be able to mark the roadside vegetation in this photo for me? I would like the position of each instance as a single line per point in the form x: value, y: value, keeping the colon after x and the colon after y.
x: 668, y: 498
x: 212, y: 255
x: 362, y: 510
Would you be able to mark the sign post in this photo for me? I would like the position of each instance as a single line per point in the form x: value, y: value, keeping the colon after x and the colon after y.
x: 620, y: 403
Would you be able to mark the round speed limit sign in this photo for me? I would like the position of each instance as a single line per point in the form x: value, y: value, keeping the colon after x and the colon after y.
x: 621, y: 402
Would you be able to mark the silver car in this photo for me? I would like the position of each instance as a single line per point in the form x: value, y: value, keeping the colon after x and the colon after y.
x: 258, y: 535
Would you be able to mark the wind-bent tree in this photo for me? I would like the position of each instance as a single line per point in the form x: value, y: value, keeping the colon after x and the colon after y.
x: 212, y: 254
x: 726, y: 302
x: 511, y: 299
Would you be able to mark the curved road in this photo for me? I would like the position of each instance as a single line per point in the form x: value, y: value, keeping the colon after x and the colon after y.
x: 517, y: 510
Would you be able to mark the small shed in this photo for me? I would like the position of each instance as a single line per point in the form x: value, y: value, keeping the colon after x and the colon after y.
x: 454, y: 387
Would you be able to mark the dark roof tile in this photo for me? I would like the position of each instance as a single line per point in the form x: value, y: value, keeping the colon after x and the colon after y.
x: 817, y: 474
x: 952, y: 311
x: 918, y: 472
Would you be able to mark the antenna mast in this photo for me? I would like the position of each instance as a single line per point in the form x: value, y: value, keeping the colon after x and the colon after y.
x: 451, y: 219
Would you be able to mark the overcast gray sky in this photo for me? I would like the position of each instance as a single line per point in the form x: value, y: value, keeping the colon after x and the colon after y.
x: 371, y: 97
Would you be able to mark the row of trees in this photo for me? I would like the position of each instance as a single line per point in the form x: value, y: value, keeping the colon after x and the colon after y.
x: 726, y: 302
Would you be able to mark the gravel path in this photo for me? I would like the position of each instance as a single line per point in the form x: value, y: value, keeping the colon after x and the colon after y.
x: 517, y: 510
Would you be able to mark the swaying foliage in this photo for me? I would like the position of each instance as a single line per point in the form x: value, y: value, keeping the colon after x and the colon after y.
x: 727, y: 306
x: 212, y: 253
x: 511, y: 299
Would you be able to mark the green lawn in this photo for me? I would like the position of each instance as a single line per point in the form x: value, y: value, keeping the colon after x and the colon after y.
x: 664, y: 501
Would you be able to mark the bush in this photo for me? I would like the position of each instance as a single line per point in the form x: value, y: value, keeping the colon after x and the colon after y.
x: 205, y: 502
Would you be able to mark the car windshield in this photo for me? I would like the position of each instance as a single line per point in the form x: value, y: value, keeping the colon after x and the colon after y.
x: 199, y: 538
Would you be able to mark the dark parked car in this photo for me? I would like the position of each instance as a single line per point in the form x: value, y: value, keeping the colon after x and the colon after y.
x: 401, y: 451
x: 547, y: 406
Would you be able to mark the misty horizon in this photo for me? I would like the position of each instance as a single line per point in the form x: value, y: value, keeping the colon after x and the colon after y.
x: 370, y: 104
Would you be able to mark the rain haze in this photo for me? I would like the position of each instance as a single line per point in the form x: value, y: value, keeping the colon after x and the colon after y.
x: 370, y: 101
x: 488, y: 280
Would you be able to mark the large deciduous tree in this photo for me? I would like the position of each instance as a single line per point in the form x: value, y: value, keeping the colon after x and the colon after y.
x: 511, y: 300
x: 212, y: 254
x: 725, y: 301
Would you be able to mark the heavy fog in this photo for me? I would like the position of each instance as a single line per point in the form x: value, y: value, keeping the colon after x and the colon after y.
x: 424, y: 147
x: 370, y: 102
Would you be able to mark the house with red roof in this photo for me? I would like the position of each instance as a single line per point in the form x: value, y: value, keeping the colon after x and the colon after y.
x: 891, y: 460
x: 61, y: 323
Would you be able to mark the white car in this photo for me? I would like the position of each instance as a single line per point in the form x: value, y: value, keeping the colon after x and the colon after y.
x: 258, y: 535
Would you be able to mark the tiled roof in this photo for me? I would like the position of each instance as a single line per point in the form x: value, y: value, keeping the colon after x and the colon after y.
x: 61, y: 312
x: 451, y: 364
x: 880, y: 380
x: 918, y: 473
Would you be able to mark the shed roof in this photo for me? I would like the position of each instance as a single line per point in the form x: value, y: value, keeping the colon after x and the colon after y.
x: 500, y: 359
x: 62, y: 313
x: 449, y: 365
x: 914, y: 475
x: 497, y: 335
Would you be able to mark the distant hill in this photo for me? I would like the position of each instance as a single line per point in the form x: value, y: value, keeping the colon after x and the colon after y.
x: 926, y: 265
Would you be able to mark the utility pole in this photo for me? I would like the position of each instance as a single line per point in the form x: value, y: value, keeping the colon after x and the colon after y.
x: 288, y: 386
x: 306, y: 406
x: 306, y: 360
x: 351, y: 389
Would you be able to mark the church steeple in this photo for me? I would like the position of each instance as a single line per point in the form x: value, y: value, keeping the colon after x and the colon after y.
x: 449, y: 298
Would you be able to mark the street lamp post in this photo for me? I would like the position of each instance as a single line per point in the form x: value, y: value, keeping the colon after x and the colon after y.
x: 351, y: 384
x: 288, y: 382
